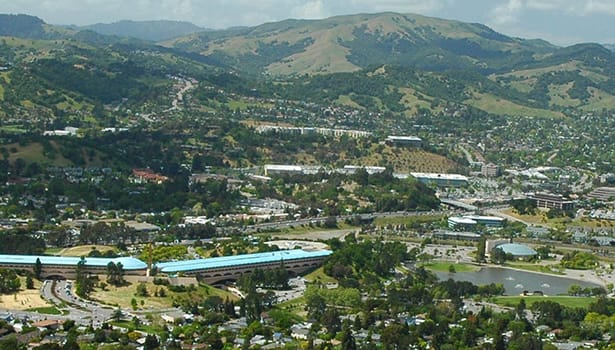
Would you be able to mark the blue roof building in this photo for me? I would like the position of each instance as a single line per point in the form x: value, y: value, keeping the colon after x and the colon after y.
x: 66, y: 266
x: 217, y: 269
x: 239, y: 260
x: 129, y: 263
x: 517, y: 250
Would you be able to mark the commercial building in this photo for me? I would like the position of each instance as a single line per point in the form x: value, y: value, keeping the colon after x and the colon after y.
x: 551, y: 201
x: 412, y: 141
x: 470, y: 222
x: 461, y: 224
x: 488, y: 221
x: 603, y: 194
x: 456, y: 236
x: 61, y: 267
x: 441, y: 180
x: 278, y: 169
x: 215, y: 270
x: 490, y: 170
x: 351, y: 169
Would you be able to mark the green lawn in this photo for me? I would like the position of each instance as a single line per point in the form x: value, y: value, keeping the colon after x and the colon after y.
x: 445, y: 267
x: 50, y: 310
x: 53, y: 251
x: 296, y: 306
x: 319, y: 275
x: 568, y: 301
x: 551, y: 269
x: 407, y: 220
x: 145, y: 328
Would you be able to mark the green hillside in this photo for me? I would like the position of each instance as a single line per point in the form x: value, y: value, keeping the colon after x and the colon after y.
x: 347, y: 43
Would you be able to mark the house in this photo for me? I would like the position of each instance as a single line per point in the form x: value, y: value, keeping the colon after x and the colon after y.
x: 300, y: 331
x: 48, y: 324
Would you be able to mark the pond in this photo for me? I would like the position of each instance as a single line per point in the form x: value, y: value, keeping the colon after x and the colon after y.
x: 515, y: 282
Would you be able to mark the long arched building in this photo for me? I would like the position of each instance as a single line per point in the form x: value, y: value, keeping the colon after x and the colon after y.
x: 214, y: 270
x: 60, y: 267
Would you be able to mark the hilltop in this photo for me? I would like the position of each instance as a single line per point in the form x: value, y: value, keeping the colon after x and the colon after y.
x: 145, y: 30
x: 350, y: 43
x: 387, y: 62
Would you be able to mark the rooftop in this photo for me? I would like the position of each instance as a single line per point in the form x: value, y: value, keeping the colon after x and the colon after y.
x: 403, y: 138
x: 517, y: 249
x: 484, y: 218
x: 236, y: 260
x: 128, y: 263
x: 440, y: 176
x: 462, y: 220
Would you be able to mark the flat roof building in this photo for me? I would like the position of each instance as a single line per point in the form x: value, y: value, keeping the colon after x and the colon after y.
x: 469, y: 222
x: 550, y: 201
x: 277, y: 169
x: 456, y: 236
x: 404, y: 141
x: 441, y: 180
x: 603, y: 194
x: 490, y: 170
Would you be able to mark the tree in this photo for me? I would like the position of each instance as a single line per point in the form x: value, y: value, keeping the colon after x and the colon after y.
x: 38, y: 268
x: 480, y: 250
x: 151, y: 342
x: 117, y: 314
x: 142, y: 290
x: 348, y: 341
x: 29, y: 282
x: 115, y: 273
x: 498, y: 256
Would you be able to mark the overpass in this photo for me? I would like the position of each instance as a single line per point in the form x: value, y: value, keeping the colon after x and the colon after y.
x: 458, y: 204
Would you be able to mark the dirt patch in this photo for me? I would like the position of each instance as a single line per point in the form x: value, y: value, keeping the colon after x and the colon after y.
x: 24, y: 299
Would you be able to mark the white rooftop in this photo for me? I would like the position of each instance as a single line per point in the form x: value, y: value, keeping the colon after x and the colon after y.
x: 440, y: 176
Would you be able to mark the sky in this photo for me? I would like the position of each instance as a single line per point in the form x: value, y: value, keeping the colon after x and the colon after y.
x: 562, y: 22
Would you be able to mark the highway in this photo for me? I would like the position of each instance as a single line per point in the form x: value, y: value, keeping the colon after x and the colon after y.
x: 321, y: 220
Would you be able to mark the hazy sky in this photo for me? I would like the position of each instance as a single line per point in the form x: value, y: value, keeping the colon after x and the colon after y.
x: 559, y: 21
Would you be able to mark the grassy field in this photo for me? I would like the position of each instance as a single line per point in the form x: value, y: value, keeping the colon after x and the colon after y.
x: 296, y: 306
x: 122, y: 296
x: 407, y: 220
x: 25, y: 298
x: 83, y: 250
x: 541, y: 218
x: 444, y: 266
x: 319, y: 275
x: 49, y: 310
x: 529, y: 300
x: 151, y: 329
x: 551, y: 269
x: 493, y: 104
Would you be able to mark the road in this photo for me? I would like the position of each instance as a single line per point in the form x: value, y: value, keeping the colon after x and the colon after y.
x: 321, y: 220
x: 84, y: 312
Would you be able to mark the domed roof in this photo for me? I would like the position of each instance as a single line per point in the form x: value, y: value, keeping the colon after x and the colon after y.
x: 517, y: 249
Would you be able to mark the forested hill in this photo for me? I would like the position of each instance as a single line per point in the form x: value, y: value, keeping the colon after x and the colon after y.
x: 21, y: 26
x: 388, y: 62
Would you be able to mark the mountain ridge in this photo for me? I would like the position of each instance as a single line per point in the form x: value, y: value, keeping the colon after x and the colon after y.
x: 352, y: 42
x: 156, y: 30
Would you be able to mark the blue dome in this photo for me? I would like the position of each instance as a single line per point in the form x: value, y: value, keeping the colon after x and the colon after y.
x: 517, y: 249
